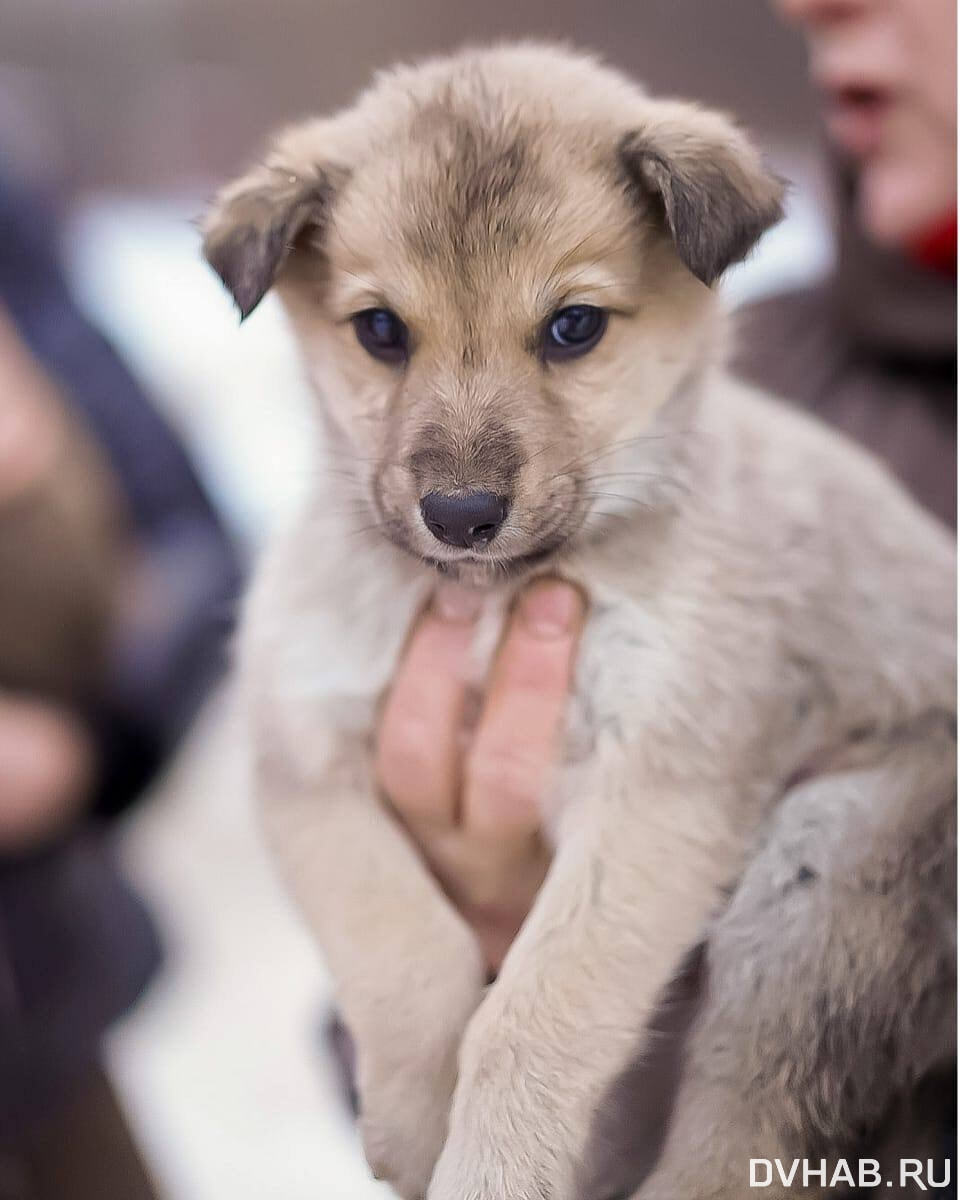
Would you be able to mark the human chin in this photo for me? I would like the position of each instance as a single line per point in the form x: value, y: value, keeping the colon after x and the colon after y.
x: 898, y: 199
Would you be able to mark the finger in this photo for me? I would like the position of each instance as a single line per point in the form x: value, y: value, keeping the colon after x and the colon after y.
x: 31, y: 431
x: 46, y: 770
x: 418, y: 746
x: 512, y: 755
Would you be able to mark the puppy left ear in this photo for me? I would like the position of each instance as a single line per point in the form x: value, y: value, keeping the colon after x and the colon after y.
x: 255, y: 223
x: 709, y: 181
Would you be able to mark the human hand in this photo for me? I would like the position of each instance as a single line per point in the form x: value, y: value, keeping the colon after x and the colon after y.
x: 32, y: 429
x: 470, y: 798
x: 46, y: 770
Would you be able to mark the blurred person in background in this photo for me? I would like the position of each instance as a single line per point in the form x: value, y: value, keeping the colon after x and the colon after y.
x: 872, y: 351
x: 117, y: 589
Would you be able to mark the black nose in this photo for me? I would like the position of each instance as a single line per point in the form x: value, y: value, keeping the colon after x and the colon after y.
x: 469, y: 519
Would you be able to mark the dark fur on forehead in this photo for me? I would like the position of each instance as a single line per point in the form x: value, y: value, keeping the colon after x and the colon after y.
x: 251, y: 233
x: 480, y: 168
x: 715, y: 202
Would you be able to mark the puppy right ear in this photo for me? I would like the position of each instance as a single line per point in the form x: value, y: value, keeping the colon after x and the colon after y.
x: 254, y: 224
x: 713, y: 192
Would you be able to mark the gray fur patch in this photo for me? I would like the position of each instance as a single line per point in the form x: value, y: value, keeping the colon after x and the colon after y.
x: 713, y: 212
x: 476, y: 202
x: 251, y: 238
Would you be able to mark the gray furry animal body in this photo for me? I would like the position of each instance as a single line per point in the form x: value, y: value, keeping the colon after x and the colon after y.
x: 760, y: 741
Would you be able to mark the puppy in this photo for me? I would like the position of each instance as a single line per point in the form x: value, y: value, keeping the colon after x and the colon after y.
x: 500, y: 270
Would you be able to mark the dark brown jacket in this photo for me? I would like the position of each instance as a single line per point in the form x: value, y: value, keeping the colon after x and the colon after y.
x: 873, y: 352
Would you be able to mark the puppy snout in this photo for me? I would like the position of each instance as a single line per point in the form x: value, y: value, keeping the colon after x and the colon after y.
x: 466, y: 519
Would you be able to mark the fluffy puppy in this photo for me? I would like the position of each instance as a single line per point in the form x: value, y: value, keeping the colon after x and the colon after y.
x: 499, y: 267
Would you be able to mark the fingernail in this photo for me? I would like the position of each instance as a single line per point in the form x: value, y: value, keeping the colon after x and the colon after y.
x: 550, y: 610
x: 457, y: 604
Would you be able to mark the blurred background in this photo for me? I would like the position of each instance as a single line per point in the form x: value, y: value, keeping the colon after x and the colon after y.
x: 126, y: 114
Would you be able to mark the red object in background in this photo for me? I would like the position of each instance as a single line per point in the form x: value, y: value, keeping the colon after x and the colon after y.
x: 937, y: 247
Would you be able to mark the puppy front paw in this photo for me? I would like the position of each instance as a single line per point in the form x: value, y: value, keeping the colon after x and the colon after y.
x: 405, y: 1098
x: 494, y: 1172
x: 407, y: 1052
x: 499, y: 1155
x: 402, y: 1130
x: 510, y: 1138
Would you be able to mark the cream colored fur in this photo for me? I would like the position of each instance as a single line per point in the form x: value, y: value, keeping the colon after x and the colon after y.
x: 765, y: 683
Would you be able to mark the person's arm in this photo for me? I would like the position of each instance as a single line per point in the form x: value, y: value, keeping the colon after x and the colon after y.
x: 62, y: 542
x: 176, y: 605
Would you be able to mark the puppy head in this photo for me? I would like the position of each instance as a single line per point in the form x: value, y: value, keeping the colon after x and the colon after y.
x: 499, y: 268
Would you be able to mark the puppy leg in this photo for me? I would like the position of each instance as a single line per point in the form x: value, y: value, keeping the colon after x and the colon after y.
x: 407, y: 970
x: 831, y: 981
x: 625, y: 898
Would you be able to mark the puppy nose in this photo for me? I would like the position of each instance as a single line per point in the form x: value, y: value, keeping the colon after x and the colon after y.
x: 469, y: 519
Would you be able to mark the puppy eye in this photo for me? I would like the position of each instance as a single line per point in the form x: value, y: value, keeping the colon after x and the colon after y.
x: 382, y: 334
x: 574, y: 330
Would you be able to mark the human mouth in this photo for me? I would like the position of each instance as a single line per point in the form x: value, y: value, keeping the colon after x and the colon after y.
x: 856, y: 116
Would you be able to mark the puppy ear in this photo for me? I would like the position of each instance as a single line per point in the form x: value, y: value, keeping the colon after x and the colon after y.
x: 715, y: 193
x: 255, y: 223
